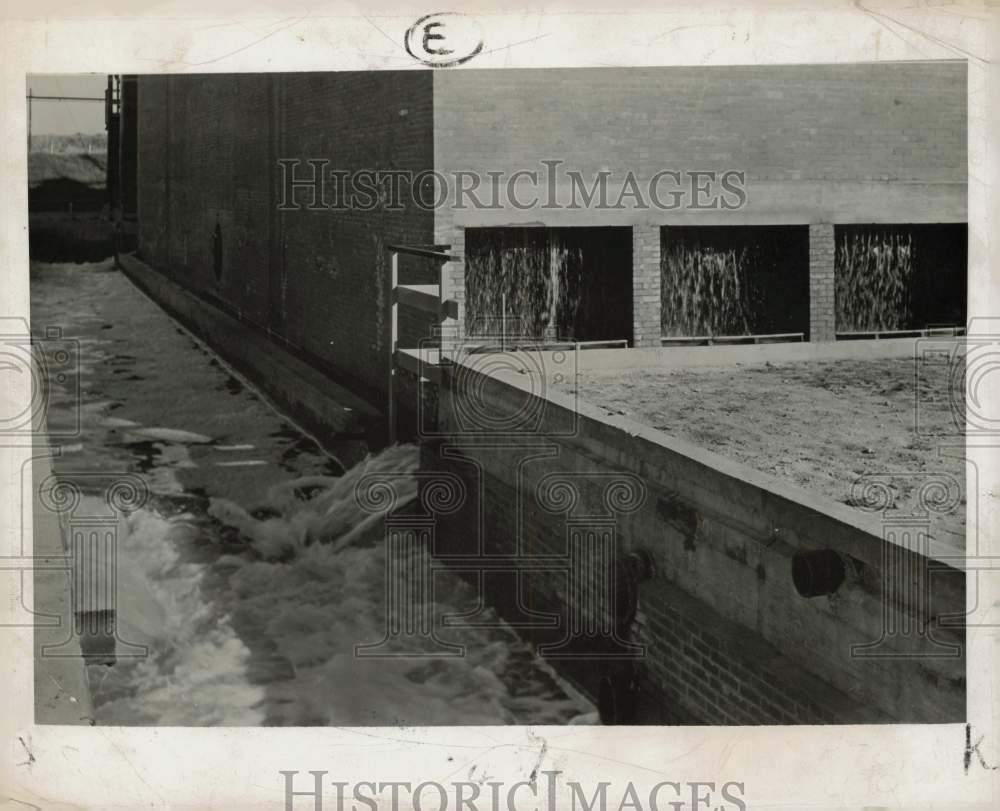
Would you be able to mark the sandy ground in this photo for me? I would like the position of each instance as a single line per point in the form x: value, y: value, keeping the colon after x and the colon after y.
x: 822, y: 425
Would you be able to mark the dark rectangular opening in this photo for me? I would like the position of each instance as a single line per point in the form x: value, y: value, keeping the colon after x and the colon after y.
x: 893, y: 278
x: 549, y: 284
x: 730, y: 281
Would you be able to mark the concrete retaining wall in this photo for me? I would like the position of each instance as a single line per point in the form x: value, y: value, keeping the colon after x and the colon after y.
x: 728, y: 637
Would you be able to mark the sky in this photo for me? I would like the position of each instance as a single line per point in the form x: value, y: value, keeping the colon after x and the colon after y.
x: 67, y: 117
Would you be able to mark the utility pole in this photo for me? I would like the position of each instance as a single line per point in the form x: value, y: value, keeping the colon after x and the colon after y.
x: 29, y: 118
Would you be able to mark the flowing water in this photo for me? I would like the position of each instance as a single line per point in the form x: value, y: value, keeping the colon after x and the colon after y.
x: 874, y: 273
x: 251, y: 573
x: 705, y: 291
x: 525, y: 286
x: 549, y: 284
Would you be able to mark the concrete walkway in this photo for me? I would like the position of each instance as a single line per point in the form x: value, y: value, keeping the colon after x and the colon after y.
x: 153, y: 402
x: 252, y: 571
x: 62, y: 694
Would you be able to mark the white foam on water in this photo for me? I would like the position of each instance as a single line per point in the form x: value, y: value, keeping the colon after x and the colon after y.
x: 195, y: 672
x: 271, y: 638
x: 320, y: 590
x: 117, y: 422
x: 162, y: 476
x: 173, y: 435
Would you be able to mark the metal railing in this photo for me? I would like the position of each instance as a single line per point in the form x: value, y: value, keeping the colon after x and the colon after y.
x: 876, y: 334
x: 712, y: 340
x: 418, y: 296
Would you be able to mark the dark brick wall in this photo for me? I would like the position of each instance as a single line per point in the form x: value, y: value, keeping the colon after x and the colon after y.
x: 319, y: 280
x: 153, y: 149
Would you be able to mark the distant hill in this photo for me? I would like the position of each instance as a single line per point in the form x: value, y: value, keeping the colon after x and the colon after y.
x: 90, y: 169
x: 56, y: 181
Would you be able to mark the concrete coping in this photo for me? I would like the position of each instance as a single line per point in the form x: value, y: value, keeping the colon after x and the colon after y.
x: 944, y: 555
x: 613, y: 361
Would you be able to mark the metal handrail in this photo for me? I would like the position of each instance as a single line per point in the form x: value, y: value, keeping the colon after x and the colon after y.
x: 440, y: 254
x: 427, y: 253
x: 922, y: 332
x: 710, y: 339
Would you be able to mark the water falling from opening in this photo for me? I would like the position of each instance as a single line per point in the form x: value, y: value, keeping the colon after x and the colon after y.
x: 874, y: 279
x: 734, y: 280
x: 542, y: 284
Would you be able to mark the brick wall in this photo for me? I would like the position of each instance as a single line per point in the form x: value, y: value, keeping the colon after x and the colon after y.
x: 836, y: 143
x: 446, y: 233
x: 822, y: 286
x: 646, y: 294
x: 153, y: 146
x: 705, y: 670
x: 818, y: 143
x: 793, y: 123
x: 728, y: 637
x: 208, y: 151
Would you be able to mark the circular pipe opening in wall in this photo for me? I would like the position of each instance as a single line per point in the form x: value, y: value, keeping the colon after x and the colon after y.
x: 817, y: 573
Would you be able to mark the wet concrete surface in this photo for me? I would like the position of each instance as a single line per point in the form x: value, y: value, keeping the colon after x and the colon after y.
x: 246, y: 587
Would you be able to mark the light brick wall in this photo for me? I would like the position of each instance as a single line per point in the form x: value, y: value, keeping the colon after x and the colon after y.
x: 828, y: 123
x: 454, y: 272
x: 646, y: 293
x: 822, y: 304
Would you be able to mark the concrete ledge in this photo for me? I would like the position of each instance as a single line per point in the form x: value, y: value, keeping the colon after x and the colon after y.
x: 306, y: 393
x: 614, y: 361
x: 859, y: 533
x: 716, y: 527
x: 62, y: 691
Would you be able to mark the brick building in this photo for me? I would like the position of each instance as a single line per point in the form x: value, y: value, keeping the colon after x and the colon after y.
x: 821, y: 149
x: 231, y: 205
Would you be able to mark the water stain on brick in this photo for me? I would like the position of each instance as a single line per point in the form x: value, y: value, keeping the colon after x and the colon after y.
x: 681, y: 517
x: 737, y: 553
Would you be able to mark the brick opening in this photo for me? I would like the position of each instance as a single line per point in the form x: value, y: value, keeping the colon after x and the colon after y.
x: 734, y: 280
x: 900, y: 277
x: 552, y: 284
